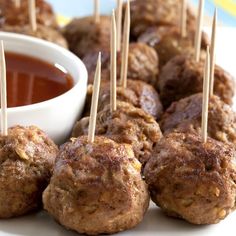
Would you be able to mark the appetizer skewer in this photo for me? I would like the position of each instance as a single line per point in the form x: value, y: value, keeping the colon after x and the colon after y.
x: 168, y: 41
x: 156, y: 13
x: 196, y: 174
x: 27, y: 157
x: 13, y: 14
x: 97, y: 186
x: 125, y: 124
x: 88, y: 34
x: 185, y: 114
x: 182, y: 76
x: 33, y: 27
x: 137, y: 92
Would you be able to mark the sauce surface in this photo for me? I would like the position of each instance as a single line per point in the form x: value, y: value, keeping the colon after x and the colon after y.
x: 30, y: 80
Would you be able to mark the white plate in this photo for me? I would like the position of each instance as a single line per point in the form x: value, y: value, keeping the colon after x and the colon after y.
x: 155, y: 222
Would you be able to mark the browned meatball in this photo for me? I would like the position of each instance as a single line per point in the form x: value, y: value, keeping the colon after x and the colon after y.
x: 168, y: 43
x: 10, y: 15
x: 137, y: 93
x: 128, y: 125
x: 84, y: 35
x: 182, y: 76
x: 193, y: 180
x: 148, y: 13
x: 186, y: 115
x: 43, y: 32
x: 96, y: 188
x: 90, y: 61
x: 143, y: 63
x: 27, y: 157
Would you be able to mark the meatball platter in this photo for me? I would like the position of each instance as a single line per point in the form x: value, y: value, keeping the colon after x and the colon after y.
x: 154, y: 152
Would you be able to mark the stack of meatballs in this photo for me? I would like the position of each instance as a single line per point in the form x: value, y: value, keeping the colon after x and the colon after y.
x: 151, y: 145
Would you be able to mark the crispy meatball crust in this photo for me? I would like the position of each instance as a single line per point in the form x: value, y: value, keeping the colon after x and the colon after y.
x: 168, y: 42
x: 43, y: 32
x: 182, y: 77
x: 143, y: 63
x: 186, y: 115
x: 148, y: 13
x: 10, y: 15
x: 127, y: 124
x: 84, y: 35
x: 96, y: 187
x: 137, y: 93
x: 27, y: 157
x: 193, y: 180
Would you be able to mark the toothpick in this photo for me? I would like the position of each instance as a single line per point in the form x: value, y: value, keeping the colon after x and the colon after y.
x: 113, y: 62
x: 17, y: 3
x: 212, y: 52
x: 32, y: 15
x: 119, y: 23
x: 96, y: 11
x: 94, y: 105
x: 3, y: 91
x: 183, y: 22
x: 205, y: 101
x: 125, y: 47
x: 198, y: 34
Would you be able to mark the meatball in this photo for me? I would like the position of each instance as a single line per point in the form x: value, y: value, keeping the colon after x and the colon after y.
x: 11, y: 15
x: 84, y: 35
x: 168, y: 42
x: 42, y: 32
x: 143, y: 63
x: 128, y: 125
x: 96, y: 188
x: 182, y: 76
x: 186, y: 115
x: 27, y: 157
x: 90, y: 61
x: 193, y: 180
x: 137, y: 93
x: 145, y: 14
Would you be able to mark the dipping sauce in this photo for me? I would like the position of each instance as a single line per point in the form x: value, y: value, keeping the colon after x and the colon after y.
x: 30, y: 80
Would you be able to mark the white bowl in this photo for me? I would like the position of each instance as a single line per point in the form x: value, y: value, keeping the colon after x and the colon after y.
x: 58, y: 115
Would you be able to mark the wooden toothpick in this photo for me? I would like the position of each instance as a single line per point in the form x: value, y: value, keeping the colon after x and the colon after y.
x: 113, y: 76
x: 17, y: 3
x: 96, y: 11
x: 198, y: 34
x: 3, y: 84
x: 183, y: 23
x: 119, y: 23
x: 212, y: 53
x: 94, y: 105
x: 125, y: 47
x: 32, y: 15
x: 205, y: 101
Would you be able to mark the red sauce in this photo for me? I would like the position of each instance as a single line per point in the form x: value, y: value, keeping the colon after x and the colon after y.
x: 30, y: 80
